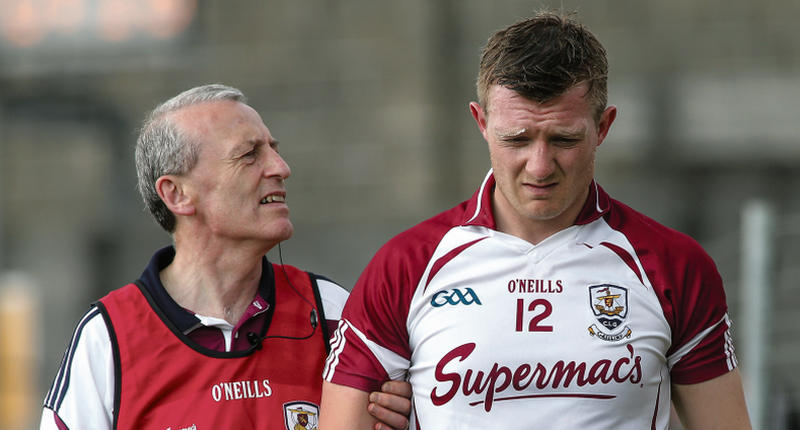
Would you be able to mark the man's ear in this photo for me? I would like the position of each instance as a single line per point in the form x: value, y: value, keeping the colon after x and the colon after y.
x: 171, y: 191
x: 480, y: 117
x: 604, y: 125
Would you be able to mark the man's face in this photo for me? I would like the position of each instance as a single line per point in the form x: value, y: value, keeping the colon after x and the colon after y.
x: 237, y: 186
x: 542, y: 155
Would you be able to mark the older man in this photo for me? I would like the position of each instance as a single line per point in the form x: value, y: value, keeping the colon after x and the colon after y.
x: 540, y: 302
x: 211, y: 335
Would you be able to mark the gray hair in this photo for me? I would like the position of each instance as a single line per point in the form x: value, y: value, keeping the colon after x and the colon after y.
x: 163, y: 148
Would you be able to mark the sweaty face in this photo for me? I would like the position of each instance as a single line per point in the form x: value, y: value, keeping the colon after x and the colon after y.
x: 237, y: 186
x: 542, y: 155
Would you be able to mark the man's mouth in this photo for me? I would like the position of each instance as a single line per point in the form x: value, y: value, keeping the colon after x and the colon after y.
x: 541, y: 186
x: 273, y: 198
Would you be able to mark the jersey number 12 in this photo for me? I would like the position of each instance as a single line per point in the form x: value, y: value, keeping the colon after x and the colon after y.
x: 538, y: 310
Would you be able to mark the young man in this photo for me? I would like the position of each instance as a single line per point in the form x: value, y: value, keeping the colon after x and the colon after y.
x: 540, y: 301
x: 212, y: 335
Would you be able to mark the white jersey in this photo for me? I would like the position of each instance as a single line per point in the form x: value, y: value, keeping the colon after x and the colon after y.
x: 586, y: 329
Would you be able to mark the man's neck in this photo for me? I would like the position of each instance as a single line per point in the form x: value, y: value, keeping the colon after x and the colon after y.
x: 216, y: 284
x: 532, y: 231
x: 509, y: 221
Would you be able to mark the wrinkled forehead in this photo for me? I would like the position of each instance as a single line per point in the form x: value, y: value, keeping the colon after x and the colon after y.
x: 511, y: 114
x: 210, y: 115
x: 221, y: 121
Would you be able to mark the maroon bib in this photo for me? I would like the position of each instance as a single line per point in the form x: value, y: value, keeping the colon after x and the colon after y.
x: 166, y: 382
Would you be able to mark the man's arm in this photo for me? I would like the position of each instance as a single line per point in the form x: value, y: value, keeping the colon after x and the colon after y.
x: 82, y: 394
x: 344, y: 408
x: 716, y: 404
x: 390, y: 406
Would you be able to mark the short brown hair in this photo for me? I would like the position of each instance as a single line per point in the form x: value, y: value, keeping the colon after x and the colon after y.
x: 542, y: 57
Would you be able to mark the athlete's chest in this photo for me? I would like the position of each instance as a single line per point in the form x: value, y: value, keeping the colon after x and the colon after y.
x: 501, y: 321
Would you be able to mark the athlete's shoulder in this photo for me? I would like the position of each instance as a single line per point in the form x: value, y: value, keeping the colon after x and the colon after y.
x: 331, y: 293
x: 419, y: 241
x: 83, y: 386
x: 90, y: 332
x: 333, y: 296
x: 327, y: 285
x: 647, y: 234
x: 682, y: 273
x: 388, y: 282
x: 122, y: 293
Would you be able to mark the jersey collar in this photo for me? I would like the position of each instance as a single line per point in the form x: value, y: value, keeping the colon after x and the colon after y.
x: 183, y: 319
x: 479, y: 207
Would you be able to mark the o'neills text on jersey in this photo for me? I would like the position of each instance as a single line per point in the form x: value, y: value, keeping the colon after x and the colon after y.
x: 237, y: 390
x: 502, y: 378
x: 535, y: 286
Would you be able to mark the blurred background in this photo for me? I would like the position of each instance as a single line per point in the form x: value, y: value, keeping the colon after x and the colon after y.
x: 369, y: 100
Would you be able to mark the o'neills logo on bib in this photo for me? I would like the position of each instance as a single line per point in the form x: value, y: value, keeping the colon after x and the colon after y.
x: 522, y: 382
x: 236, y: 390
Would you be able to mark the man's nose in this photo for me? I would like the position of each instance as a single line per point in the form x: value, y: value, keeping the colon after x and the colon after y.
x: 276, y: 166
x: 540, y: 163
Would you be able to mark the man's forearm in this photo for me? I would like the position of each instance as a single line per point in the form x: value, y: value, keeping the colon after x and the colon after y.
x: 344, y: 408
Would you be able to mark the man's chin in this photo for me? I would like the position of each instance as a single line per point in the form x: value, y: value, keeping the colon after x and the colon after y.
x: 541, y: 211
x: 287, y: 232
x: 279, y: 232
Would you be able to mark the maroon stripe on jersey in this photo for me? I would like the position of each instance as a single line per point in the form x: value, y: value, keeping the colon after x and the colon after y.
x: 554, y: 395
x: 687, y: 285
x: 597, y: 204
x: 706, y: 360
x: 626, y: 257
x: 345, y: 337
x: 446, y: 259
x: 478, y: 209
x: 60, y: 424
x: 658, y: 398
x: 378, y: 304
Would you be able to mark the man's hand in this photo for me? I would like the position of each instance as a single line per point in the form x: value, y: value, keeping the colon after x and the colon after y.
x: 391, y: 406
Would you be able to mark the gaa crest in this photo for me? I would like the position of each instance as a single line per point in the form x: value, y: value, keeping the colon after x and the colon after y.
x: 609, y: 303
x: 300, y: 415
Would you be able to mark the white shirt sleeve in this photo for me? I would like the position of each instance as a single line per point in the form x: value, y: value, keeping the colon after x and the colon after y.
x: 333, y: 298
x: 82, y: 394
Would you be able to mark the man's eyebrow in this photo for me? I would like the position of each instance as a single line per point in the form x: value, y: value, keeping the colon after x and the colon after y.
x: 570, y: 133
x: 245, y: 146
x: 509, y: 133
